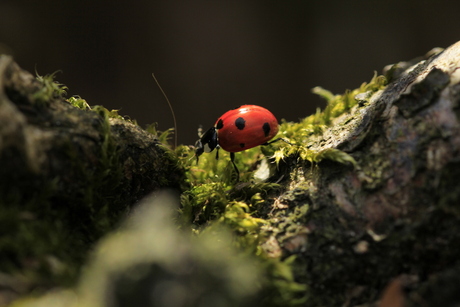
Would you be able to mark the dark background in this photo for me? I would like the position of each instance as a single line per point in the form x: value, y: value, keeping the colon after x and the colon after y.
x: 211, y: 56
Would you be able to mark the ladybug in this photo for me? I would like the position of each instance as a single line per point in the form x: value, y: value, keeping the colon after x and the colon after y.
x: 236, y: 130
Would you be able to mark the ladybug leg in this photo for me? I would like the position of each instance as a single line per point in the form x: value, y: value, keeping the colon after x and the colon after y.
x: 217, y: 152
x: 232, y: 158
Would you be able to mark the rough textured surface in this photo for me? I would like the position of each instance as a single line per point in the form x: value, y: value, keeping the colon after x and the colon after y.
x: 395, y: 214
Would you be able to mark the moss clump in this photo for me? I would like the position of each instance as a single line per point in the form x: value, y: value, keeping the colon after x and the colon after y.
x: 49, y: 90
x: 162, y: 136
x: 79, y: 102
x: 216, y: 199
x: 69, y: 174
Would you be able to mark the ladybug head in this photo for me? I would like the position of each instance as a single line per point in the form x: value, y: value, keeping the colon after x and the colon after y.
x: 207, y: 143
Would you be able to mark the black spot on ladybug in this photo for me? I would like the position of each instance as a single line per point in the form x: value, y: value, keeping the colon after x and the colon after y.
x: 220, y: 124
x: 266, y: 128
x: 240, y: 123
x: 242, y: 145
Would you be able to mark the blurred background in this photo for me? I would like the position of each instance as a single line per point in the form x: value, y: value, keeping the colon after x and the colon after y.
x: 213, y: 55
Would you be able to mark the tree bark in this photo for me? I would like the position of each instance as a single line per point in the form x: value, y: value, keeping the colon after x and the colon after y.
x: 396, y: 215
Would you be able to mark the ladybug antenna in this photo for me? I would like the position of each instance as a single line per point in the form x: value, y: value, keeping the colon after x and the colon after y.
x: 170, y: 107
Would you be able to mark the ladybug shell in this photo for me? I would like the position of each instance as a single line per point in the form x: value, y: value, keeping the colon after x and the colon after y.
x: 245, y: 127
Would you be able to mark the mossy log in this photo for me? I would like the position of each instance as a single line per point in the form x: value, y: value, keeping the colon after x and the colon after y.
x: 67, y: 176
x: 395, y: 214
x: 372, y: 220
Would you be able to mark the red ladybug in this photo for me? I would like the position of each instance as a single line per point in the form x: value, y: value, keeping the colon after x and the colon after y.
x: 237, y: 130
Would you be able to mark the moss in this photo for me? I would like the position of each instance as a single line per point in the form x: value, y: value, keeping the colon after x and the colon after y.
x: 103, y: 112
x: 24, y: 218
x: 79, y: 102
x: 215, y: 198
x: 212, y: 187
x: 78, y: 216
x: 87, y: 178
x: 49, y: 90
x: 292, y: 221
x: 337, y: 105
x: 163, y: 136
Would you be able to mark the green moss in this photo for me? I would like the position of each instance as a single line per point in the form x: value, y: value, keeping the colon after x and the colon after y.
x: 162, y: 136
x: 79, y: 102
x: 215, y: 198
x: 49, y: 225
x: 49, y: 90
x: 214, y: 201
x: 23, y: 219
x: 105, y: 113
x: 337, y: 105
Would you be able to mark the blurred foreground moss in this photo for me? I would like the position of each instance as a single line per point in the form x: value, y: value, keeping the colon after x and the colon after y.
x: 150, y: 262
